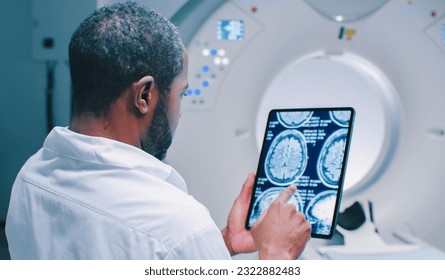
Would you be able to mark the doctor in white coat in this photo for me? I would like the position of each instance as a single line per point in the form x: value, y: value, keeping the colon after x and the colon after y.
x: 98, y: 188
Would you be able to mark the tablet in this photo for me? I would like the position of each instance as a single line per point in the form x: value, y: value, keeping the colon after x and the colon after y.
x: 309, y: 148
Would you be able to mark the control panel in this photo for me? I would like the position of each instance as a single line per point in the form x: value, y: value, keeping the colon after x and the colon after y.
x: 214, y: 48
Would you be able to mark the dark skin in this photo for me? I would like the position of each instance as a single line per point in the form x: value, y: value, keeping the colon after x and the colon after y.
x: 268, y: 235
x: 129, y: 120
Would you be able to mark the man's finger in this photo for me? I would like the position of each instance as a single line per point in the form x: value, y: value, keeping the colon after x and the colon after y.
x: 286, y: 194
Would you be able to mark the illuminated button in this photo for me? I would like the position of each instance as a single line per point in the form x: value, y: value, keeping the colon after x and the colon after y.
x: 217, y: 60
x: 213, y: 52
x: 221, y: 52
x: 205, y: 68
x: 197, y: 92
x: 339, y: 18
x: 205, y: 84
x: 225, y: 60
x: 189, y: 92
x: 205, y: 52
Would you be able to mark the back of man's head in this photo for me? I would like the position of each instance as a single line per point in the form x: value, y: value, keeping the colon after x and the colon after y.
x: 117, y: 45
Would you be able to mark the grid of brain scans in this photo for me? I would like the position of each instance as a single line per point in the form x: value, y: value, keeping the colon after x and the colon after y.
x: 307, y: 148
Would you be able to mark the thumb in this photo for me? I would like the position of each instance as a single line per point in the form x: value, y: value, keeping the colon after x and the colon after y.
x: 246, y: 191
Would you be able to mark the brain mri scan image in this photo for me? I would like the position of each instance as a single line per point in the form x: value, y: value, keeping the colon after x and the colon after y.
x: 320, y: 211
x: 264, y: 200
x: 287, y: 158
x: 329, y: 163
x: 340, y: 117
x: 293, y: 119
x: 307, y: 147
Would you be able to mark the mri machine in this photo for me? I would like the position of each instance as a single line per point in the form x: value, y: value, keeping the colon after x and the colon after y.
x: 384, y: 58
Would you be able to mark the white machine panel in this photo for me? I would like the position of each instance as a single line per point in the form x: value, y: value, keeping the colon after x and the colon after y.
x: 219, y: 44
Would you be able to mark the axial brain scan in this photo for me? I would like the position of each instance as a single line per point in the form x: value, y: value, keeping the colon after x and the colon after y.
x: 287, y: 158
x: 340, y: 117
x: 330, y: 161
x: 266, y: 198
x: 293, y: 119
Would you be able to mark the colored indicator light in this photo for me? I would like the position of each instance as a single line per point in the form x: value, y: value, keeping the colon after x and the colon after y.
x: 189, y: 92
x: 205, y: 84
x: 205, y: 68
x: 225, y: 61
x: 339, y: 18
x: 213, y: 52
x: 217, y: 60
x: 221, y: 52
x: 349, y: 33
x: 205, y: 52
x: 346, y: 33
x: 197, y: 92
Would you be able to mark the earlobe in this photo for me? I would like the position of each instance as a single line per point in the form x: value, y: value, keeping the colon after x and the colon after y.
x: 142, y: 91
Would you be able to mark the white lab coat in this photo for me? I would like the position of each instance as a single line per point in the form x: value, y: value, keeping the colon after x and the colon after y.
x: 82, y: 197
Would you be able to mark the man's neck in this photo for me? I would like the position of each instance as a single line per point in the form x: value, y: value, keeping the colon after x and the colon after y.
x: 111, y: 127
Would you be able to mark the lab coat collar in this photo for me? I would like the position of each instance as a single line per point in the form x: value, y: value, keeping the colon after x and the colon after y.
x: 100, y: 150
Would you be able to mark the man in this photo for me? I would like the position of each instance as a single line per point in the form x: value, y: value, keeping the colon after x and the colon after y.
x: 99, y: 190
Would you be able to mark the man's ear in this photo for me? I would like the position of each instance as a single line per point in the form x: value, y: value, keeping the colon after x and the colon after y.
x: 142, y: 91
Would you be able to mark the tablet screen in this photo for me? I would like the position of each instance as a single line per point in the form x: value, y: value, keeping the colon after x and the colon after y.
x: 308, y: 148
